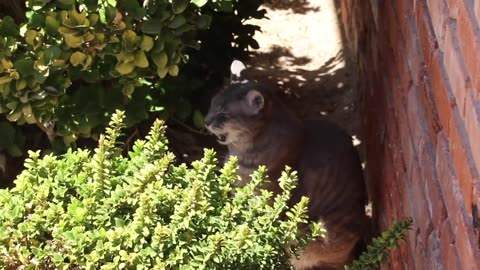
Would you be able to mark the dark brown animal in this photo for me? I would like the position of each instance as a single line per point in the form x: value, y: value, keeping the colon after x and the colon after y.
x: 259, y: 130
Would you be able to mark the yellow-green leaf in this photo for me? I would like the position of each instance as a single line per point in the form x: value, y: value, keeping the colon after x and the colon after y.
x: 93, y: 18
x: 14, y: 115
x: 70, y: 139
x: 77, y: 58
x: 5, y: 79
x: 141, y: 59
x: 52, y: 25
x: 6, y: 64
x: 20, y: 84
x: 173, y: 70
x: 124, y: 67
x: 160, y: 59
x: 198, y: 119
x: 147, y: 43
x: 130, y: 37
x: 162, y: 72
x: 73, y: 41
x: 30, y: 36
x: 66, y: 31
x: 80, y: 18
x: 128, y: 89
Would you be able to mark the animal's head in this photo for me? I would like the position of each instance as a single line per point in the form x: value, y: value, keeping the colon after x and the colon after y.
x: 239, y: 111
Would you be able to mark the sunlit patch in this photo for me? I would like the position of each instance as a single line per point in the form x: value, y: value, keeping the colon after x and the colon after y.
x: 356, y: 141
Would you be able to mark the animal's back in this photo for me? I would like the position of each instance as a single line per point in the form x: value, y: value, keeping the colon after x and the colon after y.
x: 330, y: 174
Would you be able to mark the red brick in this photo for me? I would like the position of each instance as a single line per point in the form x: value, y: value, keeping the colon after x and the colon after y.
x: 447, y: 177
x: 467, y: 30
x: 466, y: 243
x: 462, y: 157
x: 447, y: 246
x: 442, y: 95
x: 472, y: 125
x: 434, y: 252
x: 403, y: 13
x: 421, y: 209
x: 455, y: 67
x: 433, y: 193
x: 420, y: 255
x: 426, y: 34
x: 431, y: 111
x: 439, y: 14
x: 417, y: 120
x: 414, y: 55
x: 476, y: 8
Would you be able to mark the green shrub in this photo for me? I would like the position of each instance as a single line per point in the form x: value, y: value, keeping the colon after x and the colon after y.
x: 100, y: 210
x: 74, y: 62
x: 377, y: 251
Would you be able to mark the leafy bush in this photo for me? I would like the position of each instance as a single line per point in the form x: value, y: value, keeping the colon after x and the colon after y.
x: 100, y: 210
x: 75, y: 61
x: 377, y: 251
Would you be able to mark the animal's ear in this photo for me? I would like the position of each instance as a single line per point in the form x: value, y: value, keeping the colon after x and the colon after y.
x: 236, y: 69
x: 255, y: 101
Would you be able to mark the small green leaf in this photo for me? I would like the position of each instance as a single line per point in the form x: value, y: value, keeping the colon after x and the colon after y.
x: 51, y: 25
x: 178, y: 21
x: 198, y: 119
x: 179, y: 6
x: 141, y: 59
x: 147, y: 43
x: 52, y: 53
x: 77, y: 58
x: 199, y: 3
x: 24, y: 66
x: 8, y: 27
x: 152, y: 26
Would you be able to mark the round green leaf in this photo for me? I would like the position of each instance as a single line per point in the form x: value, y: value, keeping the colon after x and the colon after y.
x: 152, y: 26
x: 179, y: 6
x: 8, y: 27
x: 199, y: 3
x: 24, y: 66
x: 178, y: 21
x: 77, y: 58
x: 198, y: 119
x: 52, y: 53
x: 51, y: 25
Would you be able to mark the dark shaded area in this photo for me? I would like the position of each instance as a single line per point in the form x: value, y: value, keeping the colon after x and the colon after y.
x: 324, y: 93
x: 297, y: 6
x: 14, y: 9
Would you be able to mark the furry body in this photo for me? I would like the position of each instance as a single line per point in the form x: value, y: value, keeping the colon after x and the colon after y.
x: 259, y: 130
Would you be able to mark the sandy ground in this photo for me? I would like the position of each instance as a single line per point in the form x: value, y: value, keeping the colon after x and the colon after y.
x: 302, y: 55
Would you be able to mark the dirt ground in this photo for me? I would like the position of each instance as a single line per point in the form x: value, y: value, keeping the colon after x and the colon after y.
x: 302, y: 56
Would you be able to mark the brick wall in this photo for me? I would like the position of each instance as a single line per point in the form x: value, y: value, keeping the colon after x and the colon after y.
x: 419, y: 78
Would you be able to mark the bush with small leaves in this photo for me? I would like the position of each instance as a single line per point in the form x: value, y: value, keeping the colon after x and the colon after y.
x: 100, y: 210
x: 74, y: 62
x: 377, y: 251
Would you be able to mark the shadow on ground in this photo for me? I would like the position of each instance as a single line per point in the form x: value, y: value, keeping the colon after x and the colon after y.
x: 296, y: 6
x: 324, y: 93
